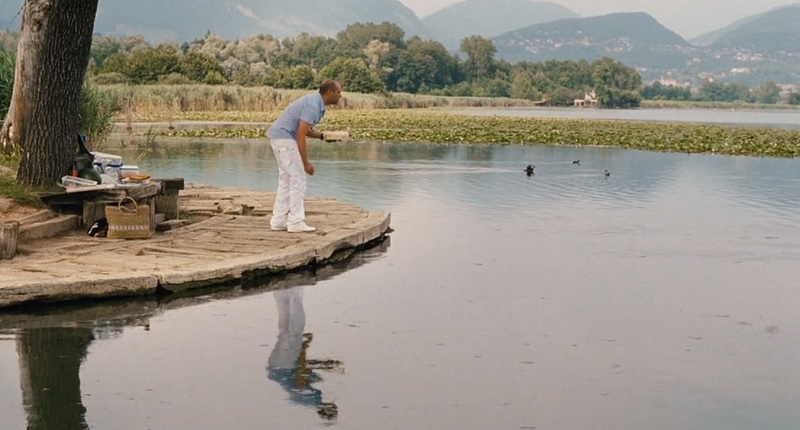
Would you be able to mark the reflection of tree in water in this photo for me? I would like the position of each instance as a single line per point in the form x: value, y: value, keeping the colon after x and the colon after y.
x: 52, y: 343
x: 50, y: 360
x: 288, y: 363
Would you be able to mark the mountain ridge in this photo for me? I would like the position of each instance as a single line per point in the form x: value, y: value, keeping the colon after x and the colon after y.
x: 620, y: 35
x: 490, y: 18
x: 186, y: 20
x: 770, y: 32
x: 710, y: 37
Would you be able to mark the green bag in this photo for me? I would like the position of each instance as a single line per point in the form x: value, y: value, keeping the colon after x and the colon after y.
x: 90, y: 173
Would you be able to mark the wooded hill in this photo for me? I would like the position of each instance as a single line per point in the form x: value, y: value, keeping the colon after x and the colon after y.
x: 489, y: 18
x: 628, y: 37
x: 773, y: 20
x: 774, y: 32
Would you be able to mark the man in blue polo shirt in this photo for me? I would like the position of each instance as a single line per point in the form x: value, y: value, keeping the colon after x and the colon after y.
x: 287, y: 136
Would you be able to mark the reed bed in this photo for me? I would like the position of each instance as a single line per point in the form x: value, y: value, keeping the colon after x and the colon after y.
x: 147, y: 102
x: 430, y: 125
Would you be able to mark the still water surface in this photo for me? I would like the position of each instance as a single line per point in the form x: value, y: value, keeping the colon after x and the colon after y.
x: 663, y: 297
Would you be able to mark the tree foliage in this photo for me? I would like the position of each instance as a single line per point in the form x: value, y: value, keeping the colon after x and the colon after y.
x: 297, y: 77
x: 480, y: 63
x: 145, y: 65
x: 562, y: 96
x: 769, y: 93
x: 616, y: 98
x: 723, y: 92
x: 659, y: 91
x: 522, y: 86
x: 413, y: 66
x: 354, y: 75
x: 197, y: 65
x: 103, y: 47
x: 357, y: 36
x: 613, y: 74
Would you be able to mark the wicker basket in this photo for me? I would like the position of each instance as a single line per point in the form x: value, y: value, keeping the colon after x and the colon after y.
x: 126, y: 223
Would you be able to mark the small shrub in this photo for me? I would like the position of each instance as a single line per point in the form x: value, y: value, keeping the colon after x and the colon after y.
x: 214, y: 78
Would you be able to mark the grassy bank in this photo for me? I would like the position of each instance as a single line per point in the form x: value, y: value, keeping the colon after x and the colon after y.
x: 439, y: 127
x: 10, y: 189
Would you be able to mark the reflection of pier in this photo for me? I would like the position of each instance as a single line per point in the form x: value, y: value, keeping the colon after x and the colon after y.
x: 52, y: 342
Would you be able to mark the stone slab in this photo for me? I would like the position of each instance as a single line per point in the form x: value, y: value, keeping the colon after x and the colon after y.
x: 213, y: 249
x: 49, y: 228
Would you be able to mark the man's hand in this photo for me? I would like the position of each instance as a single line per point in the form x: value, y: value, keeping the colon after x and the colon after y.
x: 309, y: 168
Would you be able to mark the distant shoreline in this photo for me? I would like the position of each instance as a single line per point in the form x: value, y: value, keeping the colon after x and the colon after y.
x: 437, y: 126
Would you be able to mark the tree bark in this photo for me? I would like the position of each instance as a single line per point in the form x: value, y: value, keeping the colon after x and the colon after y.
x: 52, y: 57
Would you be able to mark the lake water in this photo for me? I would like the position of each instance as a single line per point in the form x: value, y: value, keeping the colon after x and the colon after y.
x: 662, y: 297
x: 748, y: 117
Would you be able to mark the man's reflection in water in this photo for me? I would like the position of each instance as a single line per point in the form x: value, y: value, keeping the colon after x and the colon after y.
x: 50, y: 360
x: 288, y: 364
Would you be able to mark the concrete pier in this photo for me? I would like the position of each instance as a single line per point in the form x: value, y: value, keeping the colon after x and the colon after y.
x: 227, y: 238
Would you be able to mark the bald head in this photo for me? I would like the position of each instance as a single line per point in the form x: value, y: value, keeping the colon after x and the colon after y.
x: 331, y: 91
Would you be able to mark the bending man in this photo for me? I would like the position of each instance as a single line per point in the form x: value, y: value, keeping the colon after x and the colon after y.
x: 287, y: 135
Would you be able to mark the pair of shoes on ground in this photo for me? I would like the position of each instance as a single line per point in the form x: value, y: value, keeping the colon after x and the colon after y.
x: 300, y: 227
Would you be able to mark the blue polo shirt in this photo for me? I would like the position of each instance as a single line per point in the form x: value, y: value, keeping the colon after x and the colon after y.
x: 309, y: 108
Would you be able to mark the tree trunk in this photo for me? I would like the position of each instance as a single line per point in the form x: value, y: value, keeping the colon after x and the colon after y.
x: 50, y: 362
x: 52, y: 58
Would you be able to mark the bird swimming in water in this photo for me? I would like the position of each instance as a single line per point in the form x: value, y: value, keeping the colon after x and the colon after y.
x: 529, y: 170
x: 578, y: 162
x: 606, y: 173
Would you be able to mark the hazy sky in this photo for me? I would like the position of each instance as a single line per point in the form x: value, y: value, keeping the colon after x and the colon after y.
x: 688, y: 18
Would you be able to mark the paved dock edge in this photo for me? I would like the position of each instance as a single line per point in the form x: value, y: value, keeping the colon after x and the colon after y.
x: 362, y: 234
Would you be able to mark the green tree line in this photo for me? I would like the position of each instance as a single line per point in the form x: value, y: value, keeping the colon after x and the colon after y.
x: 366, y: 58
x: 712, y: 91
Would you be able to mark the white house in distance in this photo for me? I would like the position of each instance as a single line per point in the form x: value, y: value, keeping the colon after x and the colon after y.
x: 588, y: 100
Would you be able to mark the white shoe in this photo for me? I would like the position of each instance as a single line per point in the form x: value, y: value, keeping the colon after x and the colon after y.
x: 300, y: 227
x: 278, y: 227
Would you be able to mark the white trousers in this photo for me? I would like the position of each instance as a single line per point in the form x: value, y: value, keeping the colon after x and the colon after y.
x: 289, y: 208
x: 291, y: 323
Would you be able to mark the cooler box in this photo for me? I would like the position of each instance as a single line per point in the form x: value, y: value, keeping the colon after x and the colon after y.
x: 103, y: 159
x: 128, y: 171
